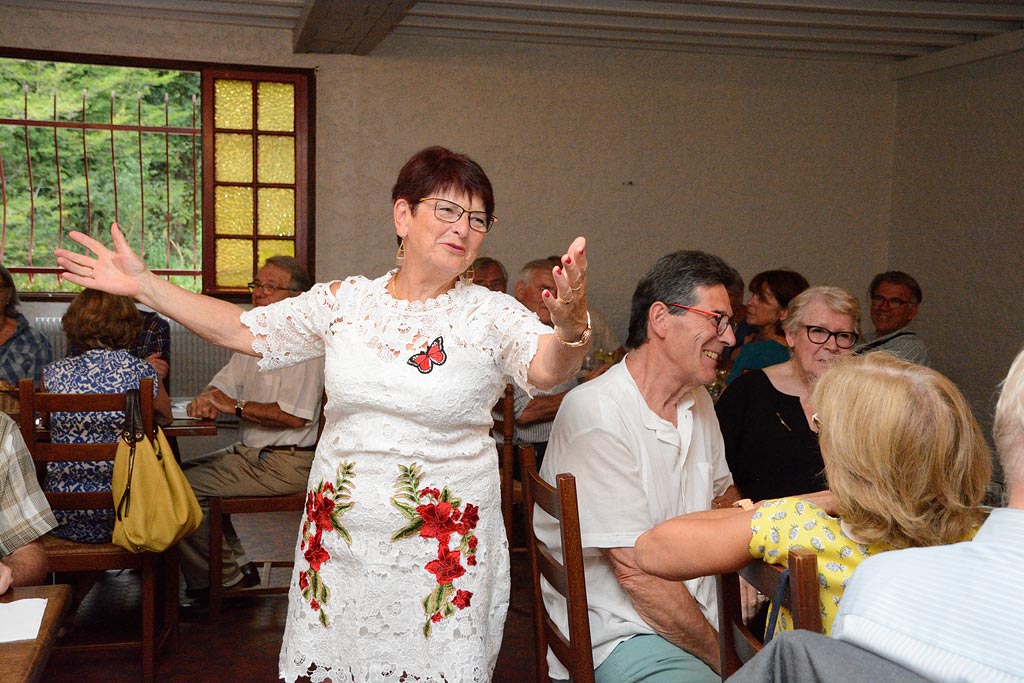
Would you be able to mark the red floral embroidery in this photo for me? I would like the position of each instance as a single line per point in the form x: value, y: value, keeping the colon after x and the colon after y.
x: 461, y: 599
x: 325, y: 506
x: 315, y: 553
x: 436, y: 514
x: 438, y: 521
x: 446, y: 567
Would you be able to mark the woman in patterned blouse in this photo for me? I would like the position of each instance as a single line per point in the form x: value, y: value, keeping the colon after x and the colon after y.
x: 104, y: 325
x: 906, y: 464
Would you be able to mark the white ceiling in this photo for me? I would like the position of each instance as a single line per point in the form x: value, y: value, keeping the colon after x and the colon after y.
x: 880, y: 30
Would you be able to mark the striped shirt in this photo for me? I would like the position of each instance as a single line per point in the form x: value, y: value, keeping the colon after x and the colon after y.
x: 902, y: 343
x: 948, y: 613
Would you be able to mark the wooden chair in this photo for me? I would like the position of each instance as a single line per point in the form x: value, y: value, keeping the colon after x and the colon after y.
x: 565, y: 576
x: 737, y: 643
x: 158, y: 571
x: 506, y: 427
x: 220, y: 508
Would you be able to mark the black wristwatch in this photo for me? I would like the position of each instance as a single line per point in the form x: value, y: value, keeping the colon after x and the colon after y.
x: 240, y: 406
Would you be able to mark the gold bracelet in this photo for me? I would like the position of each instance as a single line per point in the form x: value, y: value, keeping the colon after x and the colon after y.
x: 582, y: 341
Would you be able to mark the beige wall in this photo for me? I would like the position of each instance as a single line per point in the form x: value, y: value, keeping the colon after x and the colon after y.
x: 768, y: 162
x: 958, y: 216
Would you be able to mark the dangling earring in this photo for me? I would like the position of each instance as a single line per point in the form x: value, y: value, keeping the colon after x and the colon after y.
x: 400, y: 256
x: 467, y: 277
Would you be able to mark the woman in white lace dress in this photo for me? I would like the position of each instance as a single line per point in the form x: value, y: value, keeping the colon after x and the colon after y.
x: 401, y: 562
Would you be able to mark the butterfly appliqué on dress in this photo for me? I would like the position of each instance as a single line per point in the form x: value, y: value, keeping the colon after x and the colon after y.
x: 424, y: 361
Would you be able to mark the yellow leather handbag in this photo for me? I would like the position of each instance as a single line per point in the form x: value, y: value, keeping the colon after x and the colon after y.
x: 154, y: 502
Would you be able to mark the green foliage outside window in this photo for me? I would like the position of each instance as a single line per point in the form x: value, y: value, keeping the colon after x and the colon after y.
x: 169, y: 237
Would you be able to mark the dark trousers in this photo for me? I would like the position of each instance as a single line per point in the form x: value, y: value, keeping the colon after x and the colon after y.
x: 805, y: 657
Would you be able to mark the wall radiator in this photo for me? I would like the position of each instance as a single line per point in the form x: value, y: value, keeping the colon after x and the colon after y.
x: 194, y: 361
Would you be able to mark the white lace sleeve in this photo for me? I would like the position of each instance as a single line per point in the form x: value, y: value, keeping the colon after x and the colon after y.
x: 515, y: 331
x: 291, y: 331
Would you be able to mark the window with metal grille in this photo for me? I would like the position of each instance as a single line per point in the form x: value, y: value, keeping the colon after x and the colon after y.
x: 207, y: 170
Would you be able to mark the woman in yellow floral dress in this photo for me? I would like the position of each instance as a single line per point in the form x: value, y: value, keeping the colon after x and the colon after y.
x: 906, y: 464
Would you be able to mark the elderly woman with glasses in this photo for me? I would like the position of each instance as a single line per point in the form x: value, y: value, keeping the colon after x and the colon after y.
x: 765, y: 415
x: 907, y: 466
x: 402, y: 567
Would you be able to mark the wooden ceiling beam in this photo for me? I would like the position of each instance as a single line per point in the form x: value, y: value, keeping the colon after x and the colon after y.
x: 347, y: 26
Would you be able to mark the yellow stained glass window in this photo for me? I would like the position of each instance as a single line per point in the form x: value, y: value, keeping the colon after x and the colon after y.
x: 233, y: 156
x: 277, y: 211
x: 268, y: 248
x: 234, y: 104
x: 234, y: 262
x: 234, y: 210
x: 276, y: 108
x: 276, y: 159
x: 257, y: 193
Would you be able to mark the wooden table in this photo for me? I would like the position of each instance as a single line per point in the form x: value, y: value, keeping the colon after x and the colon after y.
x: 190, y: 427
x: 23, y: 661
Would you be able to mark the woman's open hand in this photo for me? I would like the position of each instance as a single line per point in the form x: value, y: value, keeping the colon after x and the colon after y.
x: 120, y: 271
x: 568, y: 303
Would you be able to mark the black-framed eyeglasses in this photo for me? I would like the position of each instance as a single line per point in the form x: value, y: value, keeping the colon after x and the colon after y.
x: 269, y: 289
x: 721, y: 320
x: 892, y: 302
x: 820, y: 335
x: 450, y: 212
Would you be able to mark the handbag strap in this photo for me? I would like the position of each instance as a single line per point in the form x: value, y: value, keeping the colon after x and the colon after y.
x: 773, y: 615
x: 132, y: 432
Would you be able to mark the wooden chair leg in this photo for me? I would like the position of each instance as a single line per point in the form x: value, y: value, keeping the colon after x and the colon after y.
x: 216, y: 552
x: 149, y: 588
x: 169, y: 581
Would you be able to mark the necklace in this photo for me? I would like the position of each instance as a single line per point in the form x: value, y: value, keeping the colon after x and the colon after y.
x: 391, y: 286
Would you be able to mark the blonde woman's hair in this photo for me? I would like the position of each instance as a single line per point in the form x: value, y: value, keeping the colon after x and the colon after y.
x: 1009, y: 423
x: 904, y: 456
x: 837, y: 299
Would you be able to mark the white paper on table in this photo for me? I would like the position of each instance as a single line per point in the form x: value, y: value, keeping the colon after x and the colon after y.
x: 179, y: 409
x: 20, y: 619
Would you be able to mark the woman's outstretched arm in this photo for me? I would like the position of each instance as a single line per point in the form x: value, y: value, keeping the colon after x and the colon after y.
x: 121, y: 271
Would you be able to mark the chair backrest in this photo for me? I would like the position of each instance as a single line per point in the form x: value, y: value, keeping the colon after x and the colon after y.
x: 506, y: 426
x: 41, y: 404
x: 573, y: 650
x: 737, y: 642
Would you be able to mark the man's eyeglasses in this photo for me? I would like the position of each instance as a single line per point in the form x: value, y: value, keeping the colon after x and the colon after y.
x: 820, y: 335
x: 450, y: 212
x: 892, y: 302
x: 268, y: 288
x: 721, y: 320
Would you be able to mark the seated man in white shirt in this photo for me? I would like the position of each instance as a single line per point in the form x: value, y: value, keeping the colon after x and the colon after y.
x: 644, y: 445
x: 279, y: 416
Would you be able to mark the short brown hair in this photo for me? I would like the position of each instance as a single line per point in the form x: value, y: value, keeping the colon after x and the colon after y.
x: 97, y: 320
x: 904, y: 456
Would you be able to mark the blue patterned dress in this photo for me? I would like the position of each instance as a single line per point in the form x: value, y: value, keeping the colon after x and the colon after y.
x: 99, y: 371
